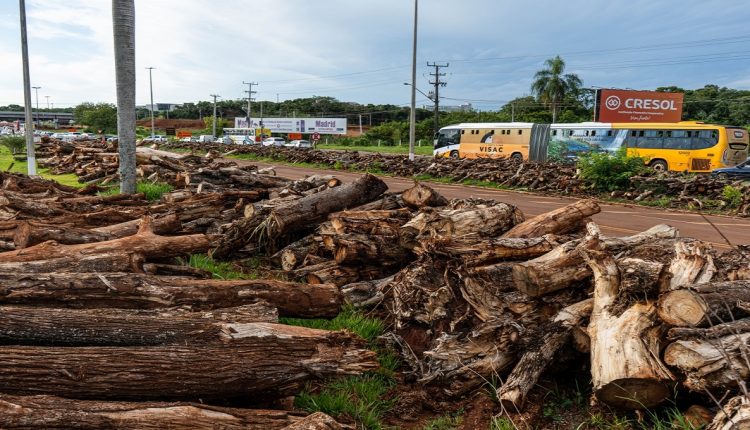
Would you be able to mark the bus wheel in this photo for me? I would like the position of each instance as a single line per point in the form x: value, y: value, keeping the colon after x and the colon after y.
x: 517, y: 156
x: 659, y: 165
x: 454, y: 155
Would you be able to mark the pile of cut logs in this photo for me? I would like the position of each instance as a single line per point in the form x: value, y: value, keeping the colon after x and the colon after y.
x: 98, y: 310
x: 102, y: 327
x: 693, y: 191
x: 474, y: 290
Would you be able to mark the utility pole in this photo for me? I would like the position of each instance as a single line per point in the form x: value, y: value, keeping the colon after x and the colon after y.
x: 360, y: 124
x: 413, y: 113
x: 250, y: 93
x: 30, y: 156
x: 512, y: 112
x: 151, y: 88
x: 36, y: 90
x: 213, y: 133
x: 47, y: 102
x: 436, y: 96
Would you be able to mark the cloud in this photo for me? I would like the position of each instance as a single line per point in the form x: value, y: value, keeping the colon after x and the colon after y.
x: 361, y: 51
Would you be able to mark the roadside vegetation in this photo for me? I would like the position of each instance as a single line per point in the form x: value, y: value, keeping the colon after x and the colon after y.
x: 10, y: 145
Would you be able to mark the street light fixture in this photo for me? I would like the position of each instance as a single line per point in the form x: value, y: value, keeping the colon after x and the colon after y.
x: 36, y: 89
x: 151, y: 88
x: 429, y: 97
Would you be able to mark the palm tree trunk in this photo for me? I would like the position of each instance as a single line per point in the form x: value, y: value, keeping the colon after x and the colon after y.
x: 123, y: 23
x: 554, y: 110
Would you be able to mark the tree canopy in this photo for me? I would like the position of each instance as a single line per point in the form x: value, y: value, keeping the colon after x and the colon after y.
x: 97, y: 116
x: 552, y: 86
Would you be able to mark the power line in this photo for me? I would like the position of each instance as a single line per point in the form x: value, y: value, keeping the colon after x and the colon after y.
x: 436, y: 94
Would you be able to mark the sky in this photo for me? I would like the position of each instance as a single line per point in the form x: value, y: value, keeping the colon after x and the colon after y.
x: 360, y: 51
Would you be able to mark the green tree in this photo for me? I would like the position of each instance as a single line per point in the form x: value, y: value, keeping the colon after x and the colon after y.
x: 123, y: 23
x: 97, y: 116
x: 552, y: 87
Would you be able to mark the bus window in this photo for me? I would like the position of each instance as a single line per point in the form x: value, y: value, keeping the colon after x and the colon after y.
x: 554, y: 132
x: 704, y: 139
x: 677, y: 139
x: 520, y: 131
x: 593, y: 132
x: 651, y: 139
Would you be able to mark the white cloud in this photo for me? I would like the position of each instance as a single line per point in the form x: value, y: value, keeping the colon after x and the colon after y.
x: 361, y: 51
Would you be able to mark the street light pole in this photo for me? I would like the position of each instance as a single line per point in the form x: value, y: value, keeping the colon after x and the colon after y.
x: 213, y: 133
x: 36, y: 90
x: 413, y: 114
x: 250, y: 93
x: 151, y: 88
x: 30, y: 156
x: 47, y: 102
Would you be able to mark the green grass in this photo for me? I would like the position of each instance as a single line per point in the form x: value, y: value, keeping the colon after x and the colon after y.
x: 219, y: 270
x: 403, y: 149
x: 501, y: 423
x: 152, y: 191
x: 349, y: 318
x: 359, y: 397
x: 669, y: 418
x: 6, y: 161
x: 445, y: 422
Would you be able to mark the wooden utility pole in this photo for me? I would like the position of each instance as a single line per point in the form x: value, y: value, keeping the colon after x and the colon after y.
x: 436, y: 94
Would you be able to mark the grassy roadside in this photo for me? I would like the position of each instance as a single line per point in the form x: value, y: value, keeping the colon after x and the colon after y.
x: 404, y: 149
x: 8, y: 164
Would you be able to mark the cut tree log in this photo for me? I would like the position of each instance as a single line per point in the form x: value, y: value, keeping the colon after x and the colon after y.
x: 713, y: 332
x: 560, y: 221
x: 710, y: 303
x: 138, y: 291
x: 294, y: 254
x: 25, y: 325
x: 481, y: 220
x: 375, y: 222
x: 734, y: 415
x: 714, y: 364
x: 692, y: 264
x: 533, y: 362
x: 366, y: 293
x: 317, y: 421
x: 32, y: 233
x: 257, y: 361
x: 475, y: 252
x: 420, y: 196
x: 625, y: 367
x: 168, y: 224
x: 50, y: 412
x: 121, y: 254
x: 309, y: 211
x: 355, y: 248
x: 564, y: 265
x: 463, y: 362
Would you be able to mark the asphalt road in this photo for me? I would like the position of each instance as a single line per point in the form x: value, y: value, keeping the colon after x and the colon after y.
x: 614, y: 219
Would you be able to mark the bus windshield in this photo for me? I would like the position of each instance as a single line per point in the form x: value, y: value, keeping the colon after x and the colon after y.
x: 447, y: 137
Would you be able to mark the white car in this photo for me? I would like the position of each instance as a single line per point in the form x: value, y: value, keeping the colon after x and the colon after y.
x: 300, y: 144
x: 187, y: 139
x: 223, y: 140
x: 274, y: 141
x: 157, y: 138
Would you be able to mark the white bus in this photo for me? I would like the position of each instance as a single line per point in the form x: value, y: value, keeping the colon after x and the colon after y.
x: 240, y: 136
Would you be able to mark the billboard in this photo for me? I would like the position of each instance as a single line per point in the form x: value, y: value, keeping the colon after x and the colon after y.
x: 296, y: 125
x: 638, y: 106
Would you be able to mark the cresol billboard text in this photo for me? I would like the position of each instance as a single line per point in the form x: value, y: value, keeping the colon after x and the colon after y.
x: 296, y: 125
x: 638, y: 106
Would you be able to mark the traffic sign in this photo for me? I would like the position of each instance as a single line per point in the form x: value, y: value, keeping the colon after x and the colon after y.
x: 316, y: 136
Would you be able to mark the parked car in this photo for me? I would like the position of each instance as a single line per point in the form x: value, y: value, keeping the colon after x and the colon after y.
x: 300, y: 144
x: 274, y: 141
x: 157, y: 138
x: 205, y: 138
x: 188, y: 139
x: 223, y: 140
x: 111, y: 137
x: 740, y: 171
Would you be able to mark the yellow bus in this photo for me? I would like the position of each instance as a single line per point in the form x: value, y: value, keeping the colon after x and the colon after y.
x: 484, y: 140
x: 683, y: 146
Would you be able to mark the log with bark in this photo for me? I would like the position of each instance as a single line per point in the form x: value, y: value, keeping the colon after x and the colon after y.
x: 366, y: 293
x: 122, y: 254
x: 356, y: 248
x: 533, y: 362
x: 374, y: 222
x: 139, y: 291
x: 478, y: 252
x: 317, y: 421
x: 716, y: 360
x: 51, y: 412
x: 625, y: 366
x: 703, y: 304
x: 734, y: 415
x: 560, y: 221
x: 25, y: 325
x: 421, y: 195
x: 564, y: 265
x: 256, y: 361
x: 483, y: 220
